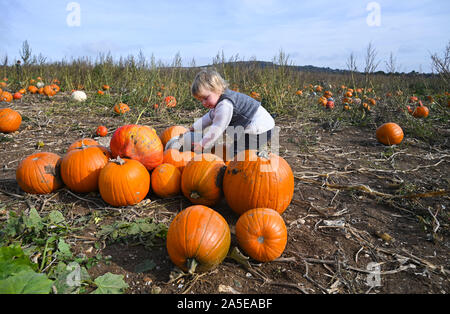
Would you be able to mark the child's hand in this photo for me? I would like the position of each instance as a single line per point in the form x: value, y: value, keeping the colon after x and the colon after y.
x: 198, y: 147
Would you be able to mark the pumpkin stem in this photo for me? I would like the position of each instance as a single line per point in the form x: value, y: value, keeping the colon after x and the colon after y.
x: 118, y: 161
x: 195, y: 195
x: 191, y: 265
x: 263, y: 153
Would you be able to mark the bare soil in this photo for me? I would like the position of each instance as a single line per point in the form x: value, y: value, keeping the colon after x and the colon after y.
x: 365, y: 218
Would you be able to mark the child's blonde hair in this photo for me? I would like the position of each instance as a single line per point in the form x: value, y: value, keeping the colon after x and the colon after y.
x: 208, y: 79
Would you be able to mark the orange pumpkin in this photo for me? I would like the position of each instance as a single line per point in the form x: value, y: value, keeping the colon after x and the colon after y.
x: 39, y: 173
x: 258, y: 179
x: 171, y: 132
x: 81, y: 143
x: 123, y: 182
x: 6, y: 96
x: 137, y: 142
x: 421, y: 111
x: 166, y: 180
x: 32, y: 89
x: 80, y: 168
x: 17, y: 96
x: 198, y: 239
x: 170, y: 101
x: 101, y: 131
x: 49, y: 91
x: 10, y: 120
x: 389, y: 133
x: 201, y: 180
x: 327, y: 94
x: 262, y: 234
x: 178, y: 159
x: 121, y: 108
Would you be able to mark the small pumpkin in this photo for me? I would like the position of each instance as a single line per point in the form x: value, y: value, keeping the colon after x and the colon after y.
x: 137, y: 142
x: 101, y: 131
x: 389, y: 133
x: 170, y: 101
x: 262, y: 234
x: 171, y: 132
x: 39, y: 173
x: 6, y: 96
x: 121, y: 108
x: 123, y: 182
x: 10, y: 120
x: 257, y: 179
x: 198, y: 239
x: 79, y: 96
x: 421, y: 111
x: 80, y: 167
x: 201, y: 180
x: 49, y: 91
x: 32, y: 89
x: 17, y: 96
x: 166, y: 180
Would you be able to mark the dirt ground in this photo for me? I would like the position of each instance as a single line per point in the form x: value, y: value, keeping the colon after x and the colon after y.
x: 363, y: 218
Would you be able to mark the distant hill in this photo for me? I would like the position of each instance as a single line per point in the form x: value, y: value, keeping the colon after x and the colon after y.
x: 309, y: 68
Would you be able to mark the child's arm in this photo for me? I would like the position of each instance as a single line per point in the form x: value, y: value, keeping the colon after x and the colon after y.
x: 222, y: 118
x: 201, y: 123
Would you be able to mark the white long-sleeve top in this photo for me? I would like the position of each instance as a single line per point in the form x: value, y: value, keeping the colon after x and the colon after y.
x: 218, y: 119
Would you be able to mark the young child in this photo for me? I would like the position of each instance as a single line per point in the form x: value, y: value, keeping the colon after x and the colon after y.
x: 253, y: 124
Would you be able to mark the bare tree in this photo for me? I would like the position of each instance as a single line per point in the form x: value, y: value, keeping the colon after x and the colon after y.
x: 351, y: 63
x: 441, y: 65
x: 25, y: 52
x: 371, y: 64
x: 370, y: 60
x: 391, y: 66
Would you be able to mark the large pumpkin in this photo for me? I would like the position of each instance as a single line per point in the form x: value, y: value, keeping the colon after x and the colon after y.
x: 39, y: 173
x: 198, y: 239
x: 166, y: 180
x: 171, y: 132
x: 262, y: 234
x: 10, y: 120
x: 80, y: 167
x: 201, y: 180
x: 389, y: 133
x: 138, y: 142
x: 258, y: 179
x: 123, y: 182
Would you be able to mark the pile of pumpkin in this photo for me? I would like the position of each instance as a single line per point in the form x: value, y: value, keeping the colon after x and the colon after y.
x: 257, y: 186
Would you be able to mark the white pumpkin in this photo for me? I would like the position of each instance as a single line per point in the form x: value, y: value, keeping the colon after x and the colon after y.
x: 79, y: 95
x: 40, y: 84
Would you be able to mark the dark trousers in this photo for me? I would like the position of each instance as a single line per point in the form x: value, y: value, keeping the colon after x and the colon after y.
x: 251, y: 141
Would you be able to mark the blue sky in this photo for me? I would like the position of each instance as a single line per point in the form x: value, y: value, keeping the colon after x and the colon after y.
x: 318, y: 32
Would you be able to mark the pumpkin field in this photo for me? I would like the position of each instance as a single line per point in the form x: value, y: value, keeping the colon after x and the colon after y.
x: 359, y: 202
